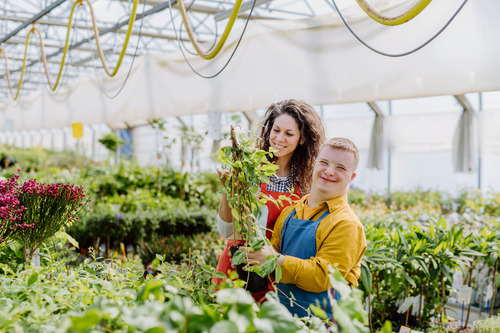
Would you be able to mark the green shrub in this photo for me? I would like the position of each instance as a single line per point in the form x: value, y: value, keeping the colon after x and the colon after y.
x: 488, y: 325
x: 38, y: 159
x: 135, y: 228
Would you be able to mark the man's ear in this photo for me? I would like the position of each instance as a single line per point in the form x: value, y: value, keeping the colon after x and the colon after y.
x: 353, y: 176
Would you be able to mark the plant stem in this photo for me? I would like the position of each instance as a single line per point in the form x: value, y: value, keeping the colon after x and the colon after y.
x: 370, y: 314
x: 469, y: 283
x: 407, y: 311
x: 420, y: 310
x: 443, y: 296
x: 494, y: 288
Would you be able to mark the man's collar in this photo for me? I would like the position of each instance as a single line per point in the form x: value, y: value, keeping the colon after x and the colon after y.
x: 332, y: 203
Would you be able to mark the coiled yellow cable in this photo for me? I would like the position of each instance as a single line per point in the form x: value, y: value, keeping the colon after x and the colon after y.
x: 66, y: 48
x: 223, y: 38
x: 23, y: 68
x: 125, y: 43
x: 396, y: 20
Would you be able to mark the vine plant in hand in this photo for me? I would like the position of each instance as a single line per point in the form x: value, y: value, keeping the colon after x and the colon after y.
x: 248, y: 167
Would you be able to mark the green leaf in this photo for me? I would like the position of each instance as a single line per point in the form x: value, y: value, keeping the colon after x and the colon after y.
x: 366, y: 278
x: 86, y: 322
x: 224, y: 326
x: 69, y: 239
x: 256, y: 244
x: 33, y: 278
x: 438, y: 248
x: 155, y: 330
x: 220, y: 275
x: 402, y: 237
x: 238, y: 258
x: 273, y: 317
x: 278, y: 274
x: 268, y: 266
x: 409, y: 279
x: 387, y: 327
x: 151, y: 287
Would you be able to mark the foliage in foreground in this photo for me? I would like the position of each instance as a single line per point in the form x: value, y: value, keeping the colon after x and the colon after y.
x: 113, y: 296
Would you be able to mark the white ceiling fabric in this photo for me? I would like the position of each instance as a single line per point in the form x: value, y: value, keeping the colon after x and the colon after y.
x: 316, y: 60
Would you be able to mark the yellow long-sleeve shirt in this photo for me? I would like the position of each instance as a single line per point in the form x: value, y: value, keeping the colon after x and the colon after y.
x: 340, y: 242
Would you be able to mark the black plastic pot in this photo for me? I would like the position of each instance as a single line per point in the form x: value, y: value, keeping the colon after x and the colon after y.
x: 255, y: 283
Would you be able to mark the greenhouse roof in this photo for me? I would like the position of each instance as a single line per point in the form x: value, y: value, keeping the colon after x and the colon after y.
x: 288, y: 49
x: 154, y: 30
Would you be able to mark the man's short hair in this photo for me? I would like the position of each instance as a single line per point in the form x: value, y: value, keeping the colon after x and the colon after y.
x: 344, y: 144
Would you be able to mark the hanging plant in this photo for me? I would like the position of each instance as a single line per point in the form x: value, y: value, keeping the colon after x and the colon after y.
x: 248, y: 167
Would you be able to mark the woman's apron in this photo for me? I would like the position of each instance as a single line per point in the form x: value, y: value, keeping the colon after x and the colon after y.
x: 298, y: 239
x: 273, y: 212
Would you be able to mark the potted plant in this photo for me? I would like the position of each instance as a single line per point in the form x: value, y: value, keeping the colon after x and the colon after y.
x: 247, y: 167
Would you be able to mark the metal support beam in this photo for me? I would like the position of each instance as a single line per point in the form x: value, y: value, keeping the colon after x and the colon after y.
x: 375, y: 108
x: 179, y: 119
x: 464, y: 102
x: 377, y: 139
x: 251, y: 117
x: 61, y: 23
x: 33, y: 19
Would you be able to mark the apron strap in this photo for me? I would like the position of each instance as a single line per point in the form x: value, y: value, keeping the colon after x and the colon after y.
x: 292, y: 215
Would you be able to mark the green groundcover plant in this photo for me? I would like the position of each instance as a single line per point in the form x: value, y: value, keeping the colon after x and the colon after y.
x: 113, y: 296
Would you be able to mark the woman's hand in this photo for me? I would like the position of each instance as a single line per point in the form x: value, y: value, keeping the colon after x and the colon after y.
x: 222, y: 176
x: 224, y: 210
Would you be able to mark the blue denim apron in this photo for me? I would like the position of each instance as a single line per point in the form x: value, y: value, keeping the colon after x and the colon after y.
x: 298, y: 239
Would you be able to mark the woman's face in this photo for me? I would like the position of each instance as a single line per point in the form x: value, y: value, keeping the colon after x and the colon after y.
x: 284, y: 136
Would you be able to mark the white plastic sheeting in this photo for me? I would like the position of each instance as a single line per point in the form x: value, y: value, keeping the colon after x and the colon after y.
x: 317, y: 60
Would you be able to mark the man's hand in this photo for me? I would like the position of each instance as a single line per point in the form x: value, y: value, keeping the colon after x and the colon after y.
x: 257, y: 258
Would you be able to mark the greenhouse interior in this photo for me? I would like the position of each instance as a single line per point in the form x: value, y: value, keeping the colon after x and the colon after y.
x: 164, y: 162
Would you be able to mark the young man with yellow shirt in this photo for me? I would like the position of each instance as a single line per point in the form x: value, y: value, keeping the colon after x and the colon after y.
x: 319, y: 230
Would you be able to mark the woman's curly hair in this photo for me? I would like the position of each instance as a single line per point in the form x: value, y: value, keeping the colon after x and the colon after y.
x: 312, y: 134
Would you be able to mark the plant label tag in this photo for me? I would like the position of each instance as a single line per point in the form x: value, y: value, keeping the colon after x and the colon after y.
x: 409, y: 301
x: 489, y: 293
x: 464, y: 294
x: 404, y: 329
x: 77, y: 130
x: 417, y: 301
x: 457, y: 280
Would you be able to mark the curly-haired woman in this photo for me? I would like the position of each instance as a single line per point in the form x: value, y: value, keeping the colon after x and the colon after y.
x: 295, y: 131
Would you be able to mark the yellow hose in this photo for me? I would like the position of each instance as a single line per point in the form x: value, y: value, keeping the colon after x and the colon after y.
x: 7, y: 72
x: 66, y: 48
x: 223, y: 38
x: 127, y: 37
x: 23, y: 68
x: 396, y: 20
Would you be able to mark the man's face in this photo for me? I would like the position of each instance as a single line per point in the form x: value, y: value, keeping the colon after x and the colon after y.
x: 333, y: 172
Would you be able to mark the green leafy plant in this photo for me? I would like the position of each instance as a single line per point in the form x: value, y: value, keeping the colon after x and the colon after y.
x: 488, y: 325
x: 247, y: 167
x: 111, y: 141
